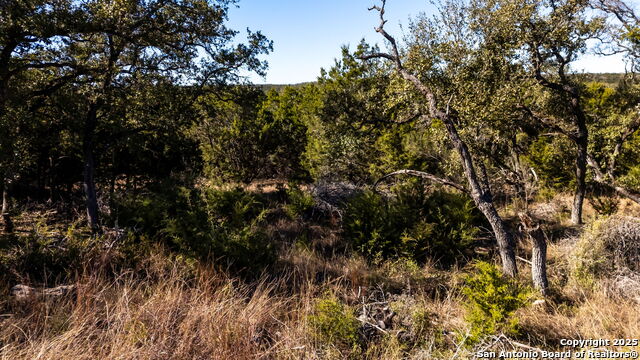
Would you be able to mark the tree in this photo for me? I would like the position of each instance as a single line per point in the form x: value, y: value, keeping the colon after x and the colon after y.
x: 346, y: 113
x: 29, y: 34
x: 625, y: 34
x: 616, y: 122
x: 623, y: 122
x: 124, y: 42
x: 422, y: 70
x: 247, y: 135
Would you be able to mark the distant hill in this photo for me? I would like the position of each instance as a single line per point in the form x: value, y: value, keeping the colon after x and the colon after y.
x: 611, y: 79
x: 280, y: 87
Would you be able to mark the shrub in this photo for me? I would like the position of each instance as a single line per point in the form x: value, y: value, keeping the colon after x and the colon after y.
x: 375, y: 227
x: 298, y: 202
x: 491, y: 302
x: 256, y: 136
x: 549, y: 157
x: 205, y: 223
x: 333, y: 323
x: 412, y: 224
x: 40, y: 257
x: 632, y: 178
x: 606, y: 246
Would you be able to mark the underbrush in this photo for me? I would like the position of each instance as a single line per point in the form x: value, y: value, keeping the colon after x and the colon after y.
x: 413, y: 223
x: 226, y: 225
x: 609, y: 246
x: 175, y: 284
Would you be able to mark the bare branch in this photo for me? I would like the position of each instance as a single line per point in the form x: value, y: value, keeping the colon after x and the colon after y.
x: 395, y: 57
x: 548, y: 123
x: 424, y: 175
x: 378, y: 55
x: 610, y: 181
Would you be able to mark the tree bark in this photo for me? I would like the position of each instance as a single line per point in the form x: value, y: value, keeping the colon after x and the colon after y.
x: 582, y: 144
x: 581, y: 186
x: 539, y: 262
x: 538, y: 252
x: 89, y: 185
x: 484, y: 202
x: 6, y: 204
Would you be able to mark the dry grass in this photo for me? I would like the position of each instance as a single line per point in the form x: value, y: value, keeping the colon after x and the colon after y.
x: 175, y: 309
x: 176, y: 312
x: 212, y: 317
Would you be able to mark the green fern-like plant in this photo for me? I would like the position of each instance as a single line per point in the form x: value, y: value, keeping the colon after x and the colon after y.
x: 492, y: 300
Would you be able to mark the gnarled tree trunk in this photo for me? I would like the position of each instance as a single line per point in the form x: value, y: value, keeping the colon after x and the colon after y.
x: 539, y: 262
x: 538, y: 252
x: 480, y: 194
x: 581, y: 186
x: 483, y: 199
x: 582, y: 144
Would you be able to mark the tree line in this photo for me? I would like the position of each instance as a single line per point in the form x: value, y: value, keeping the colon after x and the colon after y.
x: 481, y: 98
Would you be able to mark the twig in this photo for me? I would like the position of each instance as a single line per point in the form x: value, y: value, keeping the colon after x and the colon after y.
x: 459, y: 346
x: 373, y: 325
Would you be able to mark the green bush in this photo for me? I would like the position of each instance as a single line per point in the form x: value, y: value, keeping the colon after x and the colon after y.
x: 491, y: 300
x: 40, y: 257
x: 412, y: 224
x: 550, y: 157
x: 255, y: 136
x: 225, y: 225
x: 333, y: 323
x: 298, y: 202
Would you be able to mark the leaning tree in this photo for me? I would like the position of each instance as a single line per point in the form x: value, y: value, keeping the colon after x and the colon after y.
x: 439, y: 52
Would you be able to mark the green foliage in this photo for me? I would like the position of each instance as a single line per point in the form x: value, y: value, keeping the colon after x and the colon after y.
x: 551, y: 157
x: 412, y: 224
x: 632, y: 177
x: 333, y: 323
x: 491, y: 300
x: 41, y: 258
x: 254, y: 136
x: 206, y: 223
x: 299, y: 202
x: 347, y: 113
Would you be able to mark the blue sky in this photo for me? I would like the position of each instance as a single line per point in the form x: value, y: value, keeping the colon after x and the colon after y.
x: 308, y: 34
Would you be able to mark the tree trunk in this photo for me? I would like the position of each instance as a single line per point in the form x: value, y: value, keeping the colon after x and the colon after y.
x: 538, y: 252
x: 539, y: 261
x: 484, y: 201
x: 481, y: 196
x: 503, y: 236
x: 89, y: 185
x: 581, y: 187
x: 6, y: 204
x: 581, y: 140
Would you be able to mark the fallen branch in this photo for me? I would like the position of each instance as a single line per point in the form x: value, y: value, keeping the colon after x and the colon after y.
x: 610, y: 181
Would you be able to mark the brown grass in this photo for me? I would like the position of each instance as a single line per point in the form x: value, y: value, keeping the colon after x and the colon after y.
x: 177, y: 310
